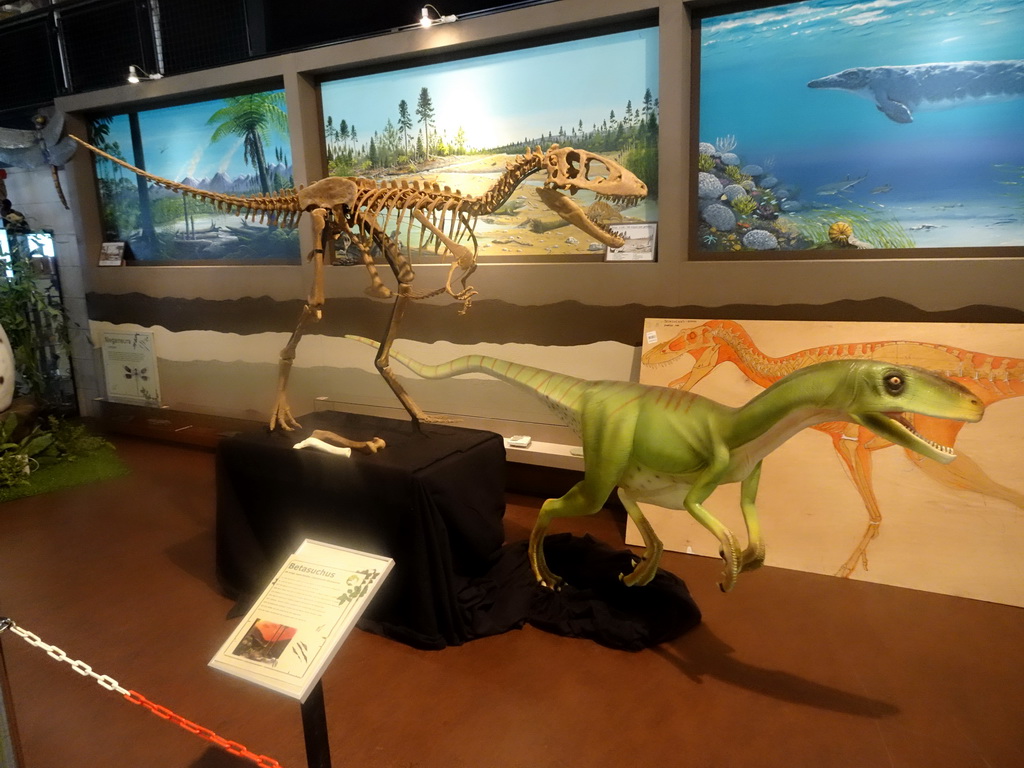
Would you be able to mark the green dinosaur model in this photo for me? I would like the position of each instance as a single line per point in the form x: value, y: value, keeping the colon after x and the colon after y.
x: 673, y: 448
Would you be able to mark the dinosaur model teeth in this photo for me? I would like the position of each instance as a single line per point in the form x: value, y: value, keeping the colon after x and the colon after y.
x: 901, y: 419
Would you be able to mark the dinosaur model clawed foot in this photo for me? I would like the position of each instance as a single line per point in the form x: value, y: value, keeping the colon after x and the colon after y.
x: 643, y: 571
x: 544, y: 575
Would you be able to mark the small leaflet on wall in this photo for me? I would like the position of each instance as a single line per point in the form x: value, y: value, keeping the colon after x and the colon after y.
x: 296, y: 627
x: 640, y: 242
x: 112, y: 254
x: 129, y: 366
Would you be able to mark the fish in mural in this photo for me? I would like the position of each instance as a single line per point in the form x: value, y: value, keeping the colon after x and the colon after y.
x: 838, y: 187
x: 900, y: 91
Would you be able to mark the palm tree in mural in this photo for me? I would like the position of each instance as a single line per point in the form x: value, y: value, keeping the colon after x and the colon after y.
x: 252, y: 117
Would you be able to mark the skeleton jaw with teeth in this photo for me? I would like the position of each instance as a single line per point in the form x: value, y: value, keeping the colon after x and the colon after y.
x: 573, y: 170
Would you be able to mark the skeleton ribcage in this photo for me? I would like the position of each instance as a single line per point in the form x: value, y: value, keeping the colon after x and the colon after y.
x: 392, y: 211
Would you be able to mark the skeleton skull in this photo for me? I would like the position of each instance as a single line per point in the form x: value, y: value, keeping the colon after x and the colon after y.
x: 573, y: 170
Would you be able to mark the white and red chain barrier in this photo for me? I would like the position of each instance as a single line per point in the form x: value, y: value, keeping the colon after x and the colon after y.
x: 108, y: 683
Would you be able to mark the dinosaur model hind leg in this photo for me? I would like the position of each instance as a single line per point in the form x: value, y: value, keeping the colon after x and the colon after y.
x: 644, y: 570
x: 585, y: 498
x: 606, y: 443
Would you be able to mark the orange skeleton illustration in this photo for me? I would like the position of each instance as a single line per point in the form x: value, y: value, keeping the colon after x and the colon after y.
x: 989, y: 377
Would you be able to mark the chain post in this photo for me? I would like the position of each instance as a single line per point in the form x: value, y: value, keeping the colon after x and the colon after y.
x: 10, y: 746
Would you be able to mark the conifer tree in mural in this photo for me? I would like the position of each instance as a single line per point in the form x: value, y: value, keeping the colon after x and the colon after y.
x: 633, y: 137
x: 252, y: 116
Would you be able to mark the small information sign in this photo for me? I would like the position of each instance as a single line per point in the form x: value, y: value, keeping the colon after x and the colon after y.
x: 297, y: 625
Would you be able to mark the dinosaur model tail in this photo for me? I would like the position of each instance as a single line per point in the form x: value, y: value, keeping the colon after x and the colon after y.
x: 280, y: 210
x: 561, y: 393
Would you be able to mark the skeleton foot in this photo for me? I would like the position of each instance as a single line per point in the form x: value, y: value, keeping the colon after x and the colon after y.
x: 466, y: 297
x: 282, y: 417
x: 379, y: 292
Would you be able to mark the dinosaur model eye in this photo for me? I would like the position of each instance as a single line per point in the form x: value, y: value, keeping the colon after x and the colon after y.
x: 894, y: 383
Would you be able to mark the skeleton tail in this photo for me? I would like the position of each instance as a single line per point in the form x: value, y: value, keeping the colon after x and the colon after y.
x: 280, y: 210
x: 57, y: 186
x: 561, y: 393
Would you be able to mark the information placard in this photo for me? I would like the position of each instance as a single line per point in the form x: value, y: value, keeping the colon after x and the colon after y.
x: 297, y: 625
x: 129, y: 367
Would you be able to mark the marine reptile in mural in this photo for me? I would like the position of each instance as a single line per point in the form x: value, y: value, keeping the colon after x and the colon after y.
x: 990, y: 378
x: 898, y: 92
x: 370, y: 214
x: 673, y: 448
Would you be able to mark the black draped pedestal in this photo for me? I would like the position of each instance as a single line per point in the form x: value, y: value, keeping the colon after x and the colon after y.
x: 432, y: 500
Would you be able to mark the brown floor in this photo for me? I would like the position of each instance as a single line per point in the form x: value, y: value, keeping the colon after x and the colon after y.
x: 789, y: 670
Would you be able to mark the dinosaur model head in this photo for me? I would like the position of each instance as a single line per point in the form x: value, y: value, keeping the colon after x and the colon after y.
x: 881, y: 397
x: 571, y: 170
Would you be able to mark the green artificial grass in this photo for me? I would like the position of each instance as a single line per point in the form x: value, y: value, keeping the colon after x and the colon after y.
x: 100, y: 464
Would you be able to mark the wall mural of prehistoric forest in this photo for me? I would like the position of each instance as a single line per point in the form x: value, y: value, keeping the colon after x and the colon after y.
x: 459, y: 123
x: 236, y: 145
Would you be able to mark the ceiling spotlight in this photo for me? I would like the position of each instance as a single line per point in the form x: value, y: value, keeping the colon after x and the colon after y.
x: 426, y: 20
x: 138, y: 73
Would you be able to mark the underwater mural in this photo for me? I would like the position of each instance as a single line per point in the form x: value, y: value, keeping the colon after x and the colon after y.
x: 236, y: 145
x: 459, y: 123
x: 850, y: 126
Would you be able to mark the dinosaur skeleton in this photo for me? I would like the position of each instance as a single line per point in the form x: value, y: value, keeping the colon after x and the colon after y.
x: 364, y: 212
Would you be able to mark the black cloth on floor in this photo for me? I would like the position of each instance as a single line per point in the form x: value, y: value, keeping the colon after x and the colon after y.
x: 593, y: 603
